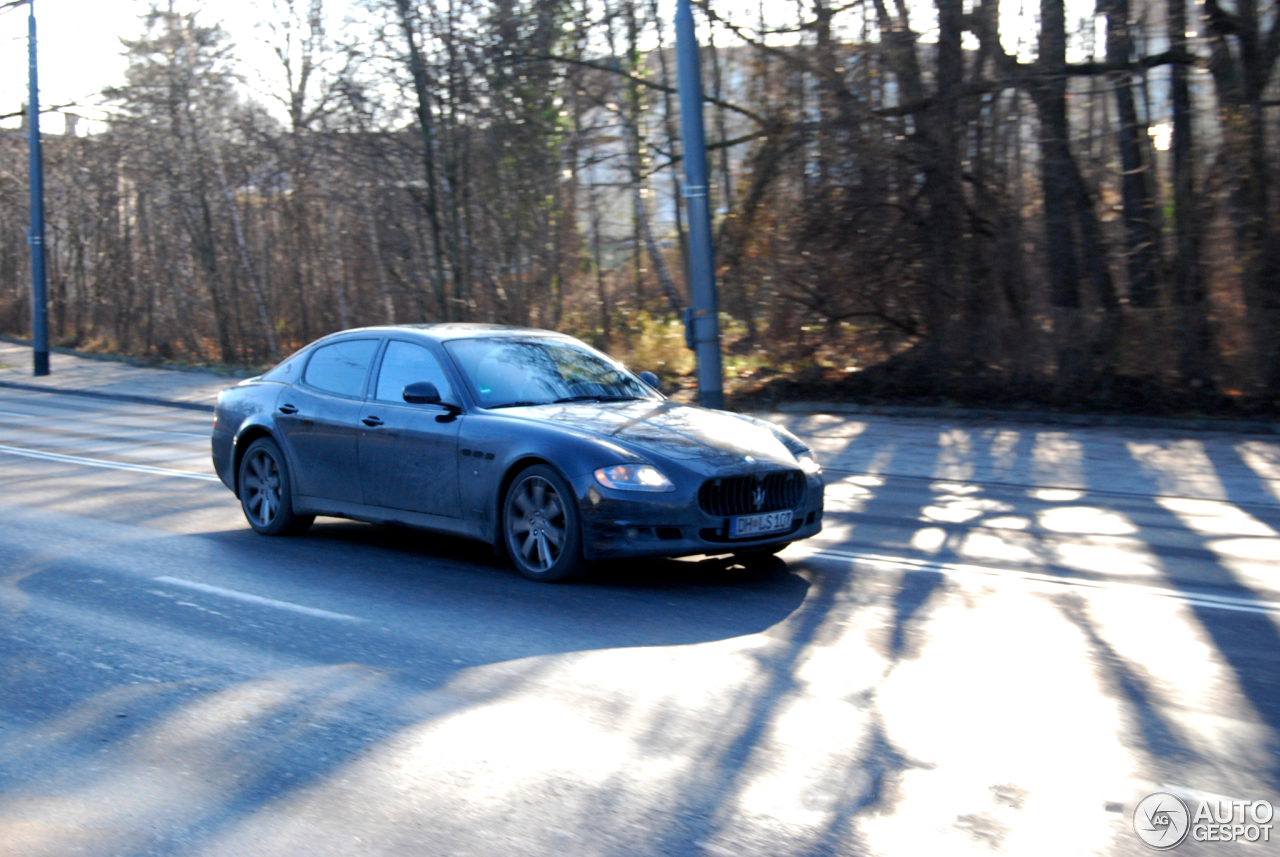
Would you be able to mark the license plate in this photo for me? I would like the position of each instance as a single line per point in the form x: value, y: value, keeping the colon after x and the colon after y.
x: 758, y: 525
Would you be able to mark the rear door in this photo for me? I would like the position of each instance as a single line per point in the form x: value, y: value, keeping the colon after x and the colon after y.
x: 319, y: 417
x: 409, y: 453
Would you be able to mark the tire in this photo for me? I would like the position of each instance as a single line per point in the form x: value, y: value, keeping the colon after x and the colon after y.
x: 537, y: 512
x: 264, y: 491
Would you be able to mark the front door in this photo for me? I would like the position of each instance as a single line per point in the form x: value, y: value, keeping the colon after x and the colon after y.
x: 319, y: 416
x: 409, y: 453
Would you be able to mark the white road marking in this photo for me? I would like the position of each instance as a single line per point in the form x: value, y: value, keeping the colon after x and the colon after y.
x: 127, y: 430
x: 1195, y: 599
x: 256, y: 599
x: 125, y: 427
x: 112, y: 465
x: 133, y: 432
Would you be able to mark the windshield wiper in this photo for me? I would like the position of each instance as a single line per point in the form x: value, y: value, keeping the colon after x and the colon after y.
x: 516, y: 405
x: 596, y: 399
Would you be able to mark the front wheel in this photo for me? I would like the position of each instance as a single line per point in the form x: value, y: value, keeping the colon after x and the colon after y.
x: 264, y: 491
x: 540, y: 526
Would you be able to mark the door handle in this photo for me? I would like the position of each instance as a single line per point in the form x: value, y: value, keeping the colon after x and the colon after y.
x: 288, y: 409
x: 372, y: 421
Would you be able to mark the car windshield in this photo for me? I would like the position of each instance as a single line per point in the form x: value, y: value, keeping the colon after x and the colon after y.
x: 512, y: 372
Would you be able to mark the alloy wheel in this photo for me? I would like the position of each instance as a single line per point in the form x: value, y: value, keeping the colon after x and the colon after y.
x: 539, y: 529
x: 262, y: 487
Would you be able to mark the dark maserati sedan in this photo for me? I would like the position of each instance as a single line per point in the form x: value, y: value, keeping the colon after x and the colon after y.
x: 532, y: 441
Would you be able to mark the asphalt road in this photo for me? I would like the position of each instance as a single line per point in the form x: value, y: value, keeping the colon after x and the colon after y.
x: 954, y: 667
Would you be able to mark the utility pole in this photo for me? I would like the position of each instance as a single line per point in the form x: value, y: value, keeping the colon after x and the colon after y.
x: 702, y: 322
x: 39, y: 306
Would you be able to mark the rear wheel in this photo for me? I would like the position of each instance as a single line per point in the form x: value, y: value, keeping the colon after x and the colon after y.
x: 540, y: 526
x: 264, y: 491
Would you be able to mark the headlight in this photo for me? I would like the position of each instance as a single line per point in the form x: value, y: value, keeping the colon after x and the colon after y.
x: 634, y: 477
x: 808, y: 463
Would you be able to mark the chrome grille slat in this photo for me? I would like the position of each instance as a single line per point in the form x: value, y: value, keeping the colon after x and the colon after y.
x: 734, y: 495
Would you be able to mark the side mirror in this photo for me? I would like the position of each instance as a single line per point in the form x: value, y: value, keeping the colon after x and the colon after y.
x: 421, y: 393
x: 650, y: 379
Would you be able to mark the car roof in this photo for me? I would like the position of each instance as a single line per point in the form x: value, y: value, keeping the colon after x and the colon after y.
x: 456, y: 330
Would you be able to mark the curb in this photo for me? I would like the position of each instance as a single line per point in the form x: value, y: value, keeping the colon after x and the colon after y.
x: 135, y: 362
x: 115, y: 397
x: 1045, y: 417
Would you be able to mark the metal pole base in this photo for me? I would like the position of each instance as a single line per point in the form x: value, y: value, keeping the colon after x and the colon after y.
x: 41, y: 360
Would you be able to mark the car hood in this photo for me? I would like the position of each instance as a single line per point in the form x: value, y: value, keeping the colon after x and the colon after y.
x: 689, y: 435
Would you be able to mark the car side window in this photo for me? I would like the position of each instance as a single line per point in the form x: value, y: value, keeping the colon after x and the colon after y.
x: 287, y: 371
x: 403, y: 364
x: 340, y: 367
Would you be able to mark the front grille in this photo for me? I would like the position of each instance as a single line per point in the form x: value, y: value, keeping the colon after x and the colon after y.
x: 738, y: 495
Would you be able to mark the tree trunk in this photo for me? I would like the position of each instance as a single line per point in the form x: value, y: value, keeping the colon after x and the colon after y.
x: 1136, y: 185
x: 375, y: 250
x: 1188, y: 285
x: 422, y: 90
x: 260, y: 303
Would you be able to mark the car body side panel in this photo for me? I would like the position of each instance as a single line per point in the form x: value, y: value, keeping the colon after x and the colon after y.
x: 305, y: 505
x: 492, y: 445
x: 223, y: 451
x: 409, y: 458
x: 321, y: 439
x: 240, y: 411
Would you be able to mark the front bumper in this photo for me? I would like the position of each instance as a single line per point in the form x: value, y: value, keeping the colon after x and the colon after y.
x: 618, y: 525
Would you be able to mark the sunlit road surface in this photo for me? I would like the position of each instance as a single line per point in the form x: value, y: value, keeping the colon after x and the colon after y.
x: 1000, y: 656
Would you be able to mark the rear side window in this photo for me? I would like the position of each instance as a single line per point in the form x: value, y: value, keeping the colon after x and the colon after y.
x: 340, y: 367
x: 286, y: 372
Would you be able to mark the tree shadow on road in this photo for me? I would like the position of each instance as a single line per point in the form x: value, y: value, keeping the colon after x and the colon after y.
x: 454, y: 630
x: 1249, y: 642
x: 318, y: 694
